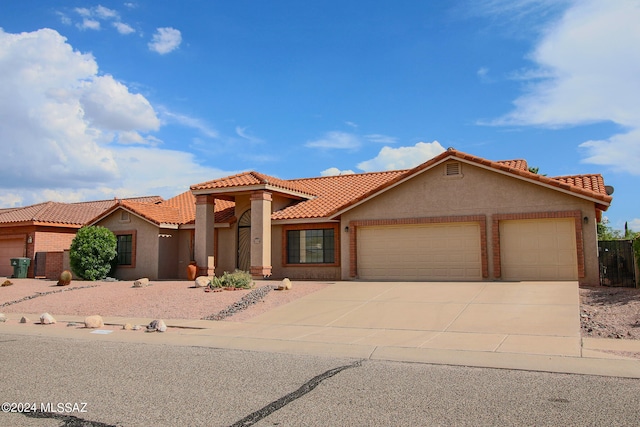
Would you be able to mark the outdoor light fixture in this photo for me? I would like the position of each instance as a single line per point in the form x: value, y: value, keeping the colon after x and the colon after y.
x: 29, y: 239
x: 586, y: 219
x: 346, y: 229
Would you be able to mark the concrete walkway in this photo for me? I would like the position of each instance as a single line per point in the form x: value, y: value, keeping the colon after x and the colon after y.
x: 523, y: 325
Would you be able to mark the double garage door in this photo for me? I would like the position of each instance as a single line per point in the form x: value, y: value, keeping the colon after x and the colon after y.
x: 420, y: 252
x: 540, y: 249
x: 9, y: 248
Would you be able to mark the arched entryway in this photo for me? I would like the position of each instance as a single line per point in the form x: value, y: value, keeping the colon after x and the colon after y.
x: 244, y: 241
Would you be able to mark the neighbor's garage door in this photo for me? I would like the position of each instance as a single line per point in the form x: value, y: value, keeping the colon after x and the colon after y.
x: 541, y: 249
x: 9, y: 248
x: 420, y: 252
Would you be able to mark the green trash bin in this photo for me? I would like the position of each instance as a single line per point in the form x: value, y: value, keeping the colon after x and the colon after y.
x: 20, y: 267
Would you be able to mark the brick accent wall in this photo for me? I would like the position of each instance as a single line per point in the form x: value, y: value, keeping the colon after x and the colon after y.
x: 54, y: 265
x: 495, y: 235
x: 481, y: 220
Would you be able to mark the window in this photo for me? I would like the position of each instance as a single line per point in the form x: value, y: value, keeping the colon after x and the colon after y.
x: 311, y: 246
x: 125, y: 249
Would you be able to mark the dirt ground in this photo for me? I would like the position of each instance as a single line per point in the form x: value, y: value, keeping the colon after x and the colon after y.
x: 607, y: 312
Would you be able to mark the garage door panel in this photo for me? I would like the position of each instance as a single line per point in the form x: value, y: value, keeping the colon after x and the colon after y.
x: 420, y: 252
x: 541, y: 249
x: 10, y: 248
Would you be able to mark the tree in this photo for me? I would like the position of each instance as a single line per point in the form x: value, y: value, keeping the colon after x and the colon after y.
x: 91, y: 252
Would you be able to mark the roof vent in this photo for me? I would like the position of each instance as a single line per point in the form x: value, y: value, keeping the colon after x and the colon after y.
x: 453, y: 169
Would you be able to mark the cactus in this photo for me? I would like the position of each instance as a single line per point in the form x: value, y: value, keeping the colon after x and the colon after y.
x: 65, y: 278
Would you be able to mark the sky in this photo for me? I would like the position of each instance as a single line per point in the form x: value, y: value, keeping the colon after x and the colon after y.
x: 131, y: 98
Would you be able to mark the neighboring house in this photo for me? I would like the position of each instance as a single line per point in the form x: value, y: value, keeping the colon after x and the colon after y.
x: 42, y: 232
x: 455, y: 217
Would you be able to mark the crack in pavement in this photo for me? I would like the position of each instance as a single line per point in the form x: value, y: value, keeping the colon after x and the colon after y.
x: 68, y: 420
x: 262, y: 413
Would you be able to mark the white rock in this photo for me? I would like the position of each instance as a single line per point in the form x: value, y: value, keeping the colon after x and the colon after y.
x: 285, y: 285
x: 202, y: 282
x: 93, y: 322
x: 3, y: 318
x: 47, y: 319
x: 141, y: 283
x: 157, y: 325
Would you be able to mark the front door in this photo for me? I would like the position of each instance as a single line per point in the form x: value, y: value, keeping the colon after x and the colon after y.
x: 244, y: 242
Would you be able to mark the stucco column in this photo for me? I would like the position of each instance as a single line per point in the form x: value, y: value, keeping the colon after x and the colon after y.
x: 260, y: 234
x: 204, y: 244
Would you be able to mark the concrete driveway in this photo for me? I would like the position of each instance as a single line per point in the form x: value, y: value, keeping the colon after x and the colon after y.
x: 508, y: 317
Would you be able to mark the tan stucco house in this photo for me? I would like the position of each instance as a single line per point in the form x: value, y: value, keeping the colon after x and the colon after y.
x: 455, y: 217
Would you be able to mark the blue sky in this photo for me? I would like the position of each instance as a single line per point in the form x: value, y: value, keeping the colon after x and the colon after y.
x: 140, y: 97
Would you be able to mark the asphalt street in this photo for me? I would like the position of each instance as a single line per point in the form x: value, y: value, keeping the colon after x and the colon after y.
x: 96, y: 383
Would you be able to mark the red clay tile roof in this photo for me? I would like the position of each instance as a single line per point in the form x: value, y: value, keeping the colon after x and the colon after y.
x: 64, y: 214
x: 593, y: 182
x: 520, y: 164
x: 333, y: 193
x: 186, y: 205
x: 247, y: 179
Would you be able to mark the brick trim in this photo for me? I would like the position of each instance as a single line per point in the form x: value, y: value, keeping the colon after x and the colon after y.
x: 336, y: 243
x: 205, y: 199
x: 261, y: 271
x: 495, y: 235
x: 481, y: 220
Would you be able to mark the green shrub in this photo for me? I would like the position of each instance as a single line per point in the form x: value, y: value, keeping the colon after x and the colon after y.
x: 238, y: 279
x: 92, y: 251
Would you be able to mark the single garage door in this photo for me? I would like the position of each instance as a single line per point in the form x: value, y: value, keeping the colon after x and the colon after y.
x: 9, y: 248
x: 541, y: 249
x: 420, y: 252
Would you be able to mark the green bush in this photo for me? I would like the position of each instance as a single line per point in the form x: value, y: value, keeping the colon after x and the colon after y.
x: 238, y: 279
x: 92, y: 251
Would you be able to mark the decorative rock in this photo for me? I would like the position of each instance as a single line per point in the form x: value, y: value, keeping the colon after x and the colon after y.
x: 286, y: 285
x: 141, y: 283
x: 137, y: 327
x: 47, y: 319
x: 157, y: 325
x: 93, y: 322
x: 70, y: 324
x: 127, y: 327
x: 7, y: 283
x: 24, y: 319
x: 202, y: 282
x: 3, y: 318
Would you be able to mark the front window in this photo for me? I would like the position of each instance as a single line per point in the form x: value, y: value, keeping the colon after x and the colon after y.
x: 311, y: 246
x: 125, y: 249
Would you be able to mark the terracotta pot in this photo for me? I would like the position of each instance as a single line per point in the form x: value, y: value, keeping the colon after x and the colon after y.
x: 192, y: 271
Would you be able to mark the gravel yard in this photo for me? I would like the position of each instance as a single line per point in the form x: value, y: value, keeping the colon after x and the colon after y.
x: 162, y: 299
x: 610, y: 312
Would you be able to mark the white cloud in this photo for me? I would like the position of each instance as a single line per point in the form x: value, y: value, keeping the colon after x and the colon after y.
x: 191, y: 122
x: 89, y: 24
x: 402, y: 157
x: 242, y: 132
x: 588, y: 71
x: 106, y: 13
x: 58, y: 122
x: 336, y: 139
x: 108, y: 104
x: 165, y: 40
x: 123, y: 28
x: 381, y: 139
x: 634, y: 224
x: 336, y: 171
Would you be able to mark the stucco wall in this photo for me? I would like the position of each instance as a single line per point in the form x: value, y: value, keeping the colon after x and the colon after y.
x: 226, y: 252
x: 146, y: 246
x: 297, y: 272
x: 477, y: 192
